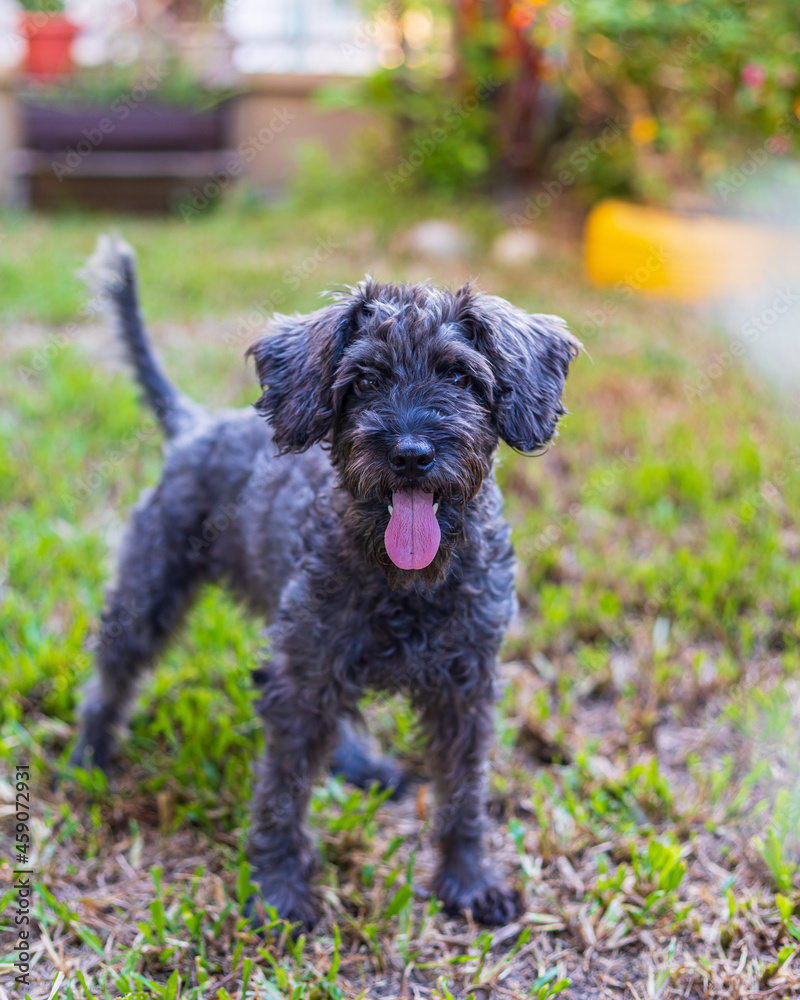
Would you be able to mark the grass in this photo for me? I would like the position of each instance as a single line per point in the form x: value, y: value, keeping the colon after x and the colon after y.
x: 644, y: 791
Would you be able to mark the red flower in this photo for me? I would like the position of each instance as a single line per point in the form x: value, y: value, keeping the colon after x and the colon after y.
x: 753, y: 75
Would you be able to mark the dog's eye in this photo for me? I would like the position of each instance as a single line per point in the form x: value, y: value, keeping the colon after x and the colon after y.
x: 366, y: 382
x: 461, y: 379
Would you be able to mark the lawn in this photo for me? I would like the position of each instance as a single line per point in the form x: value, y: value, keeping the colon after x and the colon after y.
x: 644, y: 790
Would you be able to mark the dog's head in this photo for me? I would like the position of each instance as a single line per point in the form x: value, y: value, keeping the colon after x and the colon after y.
x: 413, y: 386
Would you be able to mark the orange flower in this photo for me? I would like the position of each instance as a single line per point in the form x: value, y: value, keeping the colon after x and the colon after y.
x: 644, y: 129
x: 521, y: 16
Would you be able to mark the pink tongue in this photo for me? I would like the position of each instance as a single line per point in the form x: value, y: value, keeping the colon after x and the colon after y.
x: 413, y: 535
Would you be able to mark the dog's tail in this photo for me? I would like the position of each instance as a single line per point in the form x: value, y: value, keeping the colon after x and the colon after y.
x: 111, y: 276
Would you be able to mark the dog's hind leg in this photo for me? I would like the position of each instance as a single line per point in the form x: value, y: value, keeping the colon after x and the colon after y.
x: 157, y: 577
x: 353, y: 761
x: 301, y: 728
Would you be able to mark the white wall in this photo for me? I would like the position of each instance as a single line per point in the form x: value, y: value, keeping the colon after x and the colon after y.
x: 300, y: 36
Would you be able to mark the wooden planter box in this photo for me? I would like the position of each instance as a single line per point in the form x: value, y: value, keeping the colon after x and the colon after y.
x: 124, y: 126
x: 144, y: 156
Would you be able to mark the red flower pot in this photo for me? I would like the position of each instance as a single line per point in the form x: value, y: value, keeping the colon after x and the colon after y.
x: 49, y: 39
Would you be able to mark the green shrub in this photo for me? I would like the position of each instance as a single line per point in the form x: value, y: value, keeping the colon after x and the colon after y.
x: 646, y: 96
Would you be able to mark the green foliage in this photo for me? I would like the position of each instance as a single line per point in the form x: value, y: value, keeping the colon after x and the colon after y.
x: 438, y: 128
x: 659, y: 870
x: 781, y: 842
x: 443, y: 141
x: 46, y: 6
x: 697, y: 86
x: 159, y: 79
x: 649, y: 95
x: 548, y: 985
x: 786, y: 909
x: 649, y: 717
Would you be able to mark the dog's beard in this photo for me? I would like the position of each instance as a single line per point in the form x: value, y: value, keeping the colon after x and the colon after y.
x: 359, y: 452
x: 367, y: 516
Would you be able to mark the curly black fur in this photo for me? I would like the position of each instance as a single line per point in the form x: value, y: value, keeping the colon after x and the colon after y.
x: 291, y: 513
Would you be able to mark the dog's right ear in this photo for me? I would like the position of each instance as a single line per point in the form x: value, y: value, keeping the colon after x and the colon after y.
x: 530, y: 355
x: 296, y: 365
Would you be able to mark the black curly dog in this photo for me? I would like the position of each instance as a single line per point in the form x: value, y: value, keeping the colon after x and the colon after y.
x: 356, y: 507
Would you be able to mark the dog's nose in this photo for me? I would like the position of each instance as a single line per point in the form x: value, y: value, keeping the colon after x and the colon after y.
x: 412, y: 456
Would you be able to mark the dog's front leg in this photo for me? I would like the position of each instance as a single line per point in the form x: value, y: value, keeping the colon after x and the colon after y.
x: 300, y: 728
x: 459, y: 729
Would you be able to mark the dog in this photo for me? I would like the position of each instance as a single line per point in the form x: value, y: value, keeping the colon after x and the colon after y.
x: 361, y: 517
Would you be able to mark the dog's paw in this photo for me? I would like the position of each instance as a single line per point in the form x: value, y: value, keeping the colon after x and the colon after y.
x: 364, y: 771
x: 89, y: 756
x: 495, y: 905
x: 488, y: 900
x: 96, y: 741
x: 292, y: 904
x: 387, y: 775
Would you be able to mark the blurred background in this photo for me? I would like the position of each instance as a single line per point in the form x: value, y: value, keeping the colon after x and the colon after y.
x: 178, y: 107
x: 668, y: 100
x: 632, y: 166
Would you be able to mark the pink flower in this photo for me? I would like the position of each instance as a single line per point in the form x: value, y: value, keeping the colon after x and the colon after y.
x: 753, y: 75
x: 559, y: 17
x: 779, y: 145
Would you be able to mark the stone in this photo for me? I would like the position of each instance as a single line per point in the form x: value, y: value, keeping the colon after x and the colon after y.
x: 516, y: 247
x: 436, y: 239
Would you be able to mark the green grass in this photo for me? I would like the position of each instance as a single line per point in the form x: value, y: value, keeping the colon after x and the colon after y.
x: 644, y: 789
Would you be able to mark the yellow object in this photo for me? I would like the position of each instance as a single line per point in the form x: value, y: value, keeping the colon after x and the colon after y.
x: 689, y: 258
x: 644, y: 129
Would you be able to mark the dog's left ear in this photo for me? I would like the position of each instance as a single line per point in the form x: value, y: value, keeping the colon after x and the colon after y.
x: 296, y: 365
x: 530, y: 355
